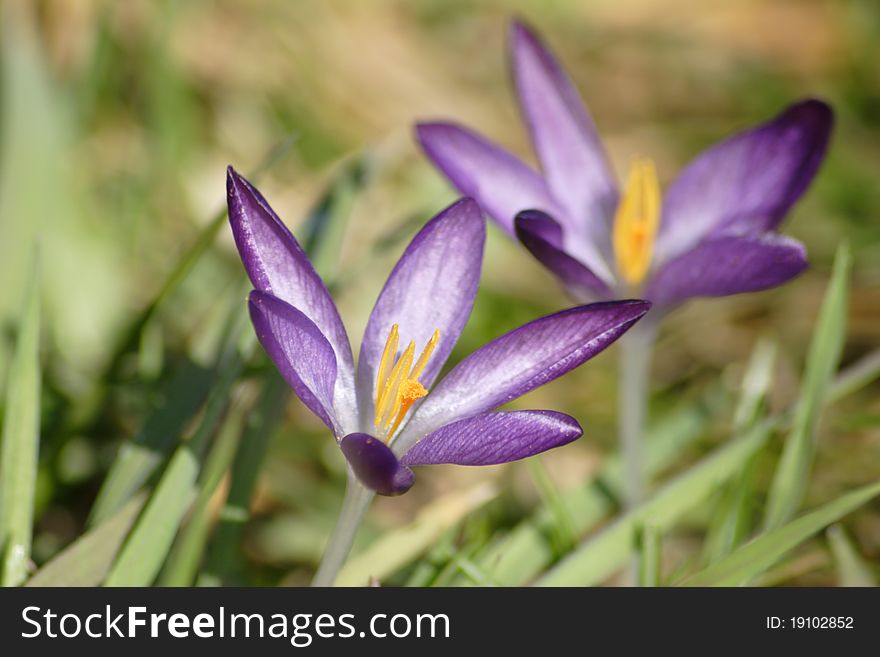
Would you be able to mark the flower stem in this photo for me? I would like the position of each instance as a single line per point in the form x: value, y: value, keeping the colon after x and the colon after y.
x: 354, y: 507
x: 635, y: 368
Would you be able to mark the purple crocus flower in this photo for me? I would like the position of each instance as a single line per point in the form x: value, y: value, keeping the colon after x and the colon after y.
x: 714, y: 234
x: 381, y: 414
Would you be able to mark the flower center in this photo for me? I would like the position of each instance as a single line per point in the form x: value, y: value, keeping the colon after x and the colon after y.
x: 397, y: 383
x: 636, y: 222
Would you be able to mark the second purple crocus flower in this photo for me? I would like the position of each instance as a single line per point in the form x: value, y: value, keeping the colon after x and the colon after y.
x: 713, y: 234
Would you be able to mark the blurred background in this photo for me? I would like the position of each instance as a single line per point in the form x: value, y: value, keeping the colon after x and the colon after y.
x: 117, y: 120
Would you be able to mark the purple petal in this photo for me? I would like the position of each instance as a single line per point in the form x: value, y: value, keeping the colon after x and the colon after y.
x: 432, y: 287
x: 747, y: 183
x: 375, y: 464
x: 519, y: 361
x: 501, y: 183
x: 276, y: 263
x: 728, y: 265
x: 300, y: 352
x: 542, y: 236
x: 493, y: 438
x: 574, y: 162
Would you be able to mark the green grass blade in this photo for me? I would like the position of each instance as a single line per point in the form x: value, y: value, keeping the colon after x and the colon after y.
x: 792, y: 474
x: 732, y: 520
x: 856, y: 376
x: 851, y: 568
x: 471, y: 570
x: 186, y: 554
x: 221, y: 557
x: 734, y: 516
x: 562, y: 525
x: 426, y: 570
x: 522, y: 554
x: 755, y: 385
x: 190, y: 258
x: 87, y: 560
x: 138, y: 460
x: 325, y: 227
x: 130, y: 337
x: 148, y: 544
x: 401, y: 546
x: 753, y: 558
x: 144, y: 551
x: 459, y: 563
x: 21, y: 443
x: 650, y: 553
x: 602, y: 555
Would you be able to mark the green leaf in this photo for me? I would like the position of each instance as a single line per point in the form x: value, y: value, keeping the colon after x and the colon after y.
x: 650, y: 564
x: 41, y: 199
x: 426, y: 570
x: 732, y: 519
x: 185, y: 557
x: 245, y: 468
x: 86, y: 561
x: 851, y: 569
x: 459, y: 563
x: 602, y: 555
x: 753, y: 558
x: 522, y: 554
x: 138, y: 460
x: 144, y: 551
x: 793, y: 472
x: 326, y: 224
x: 562, y: 525
x: 471, y: 570
x: 755, y: 385
x: 130, y: 336
x: 147, y: 546
x: 855, y: 377
x: 400, y: 547
x: 21, y: 443
x: 734, y: 515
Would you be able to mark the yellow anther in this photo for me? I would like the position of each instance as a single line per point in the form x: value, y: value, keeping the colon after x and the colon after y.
x: 392, y: 387
x: 387, y: 357
x: 636, y: 222
x: 398, y: 387
x: 387, y: 396
x: 426, y: 354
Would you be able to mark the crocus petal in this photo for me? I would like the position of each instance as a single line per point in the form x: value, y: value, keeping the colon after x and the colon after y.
x: 276, y: 263
x: 747, y: 183
x: 519, y: 361
x: 501, y: 183
x: 542, y: 236
x: 300, y: 352
x: 375, y: 464
x: 575, y: 164
x: 493, y: 438
x: 728, y: 265
x: 432, y: 287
